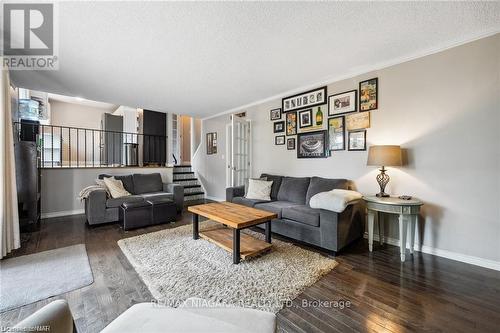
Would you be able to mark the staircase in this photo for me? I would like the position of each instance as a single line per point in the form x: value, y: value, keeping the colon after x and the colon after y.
x: 183, y: 175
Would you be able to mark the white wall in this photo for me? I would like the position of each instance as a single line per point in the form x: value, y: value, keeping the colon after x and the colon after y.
x: 75, y: 115
x: 444, y: 109
x: 81, y: 116
x: 60, y: 187
x: 195, y: 135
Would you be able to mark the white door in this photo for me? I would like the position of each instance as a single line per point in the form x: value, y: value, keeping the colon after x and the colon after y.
x: 239, y: 153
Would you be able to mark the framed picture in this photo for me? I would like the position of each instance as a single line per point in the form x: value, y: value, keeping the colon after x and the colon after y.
x: 211, y: 143
x: 305, y: 118
x: 368, y: 95
x: 303, y: 100
x: 291, y: 123
x: 311, y: 145
x: 279, y: 140
x: 275, y: 114
x: 357, y: 121
x: 279, y: 126
x: 357, y: 140
x: 343, y: 103
x: 290, y: 143
x: 336, y: 133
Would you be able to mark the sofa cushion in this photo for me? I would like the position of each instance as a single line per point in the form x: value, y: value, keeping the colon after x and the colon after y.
x: 247, y: 202
x: 319, y: 184
x: 303, y: 214
x: 117, y: 202
x: 275, y: 206
x: 149, y: 317
x: 127, y: 181
x: 294, y: 189
x: 157, y: 196
x: 276, y: 184
x: 146, y: 183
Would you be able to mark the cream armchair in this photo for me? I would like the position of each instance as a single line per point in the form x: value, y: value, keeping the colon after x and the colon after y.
x: 194, y: 315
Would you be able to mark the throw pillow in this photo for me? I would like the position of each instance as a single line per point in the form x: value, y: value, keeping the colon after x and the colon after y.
x: 246, y: 183
x: 259, y: 189
x: 336, y: 200
x: 115, y: 187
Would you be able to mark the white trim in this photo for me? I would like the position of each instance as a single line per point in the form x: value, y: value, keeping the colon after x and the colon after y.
x: 362, y: 70
x: 63, y: 213
x: 214, y: 198
x: 486, y: 263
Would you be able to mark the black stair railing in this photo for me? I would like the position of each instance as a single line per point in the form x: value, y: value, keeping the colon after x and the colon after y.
x: 76, y: 147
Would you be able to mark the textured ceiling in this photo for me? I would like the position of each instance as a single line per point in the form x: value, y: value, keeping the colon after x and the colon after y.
x: 202, y: 58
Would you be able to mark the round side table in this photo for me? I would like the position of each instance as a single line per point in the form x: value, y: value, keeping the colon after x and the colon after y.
x: 407, y: 210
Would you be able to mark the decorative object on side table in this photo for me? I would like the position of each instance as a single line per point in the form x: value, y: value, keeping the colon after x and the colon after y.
x: 305, y: 118
x: 290, y: 144
x: 368, y: 95
x: 303, y: 100
x: 279, y: 140
x: 279, y: 127
x: 291, y: 123
x: 407, y: 210
x: 382, y: 156
x: 357, y: 140
x: 336, y: 132
x: 275, y: 114
x: 342, y: 103
x: 211, y: 143
x: 311, y: 145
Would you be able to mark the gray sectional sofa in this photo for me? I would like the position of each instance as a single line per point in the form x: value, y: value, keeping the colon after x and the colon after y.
x: 296, y: 219
x: 101, y: 209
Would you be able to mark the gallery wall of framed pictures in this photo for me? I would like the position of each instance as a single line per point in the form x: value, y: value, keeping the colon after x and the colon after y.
x: 317, y: 124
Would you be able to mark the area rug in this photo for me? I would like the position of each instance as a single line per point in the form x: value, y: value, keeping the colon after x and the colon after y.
x: 34, y: 277
x: 175, y: 267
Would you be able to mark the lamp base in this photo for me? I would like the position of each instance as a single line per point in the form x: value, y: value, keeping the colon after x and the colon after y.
x: 382, y: 179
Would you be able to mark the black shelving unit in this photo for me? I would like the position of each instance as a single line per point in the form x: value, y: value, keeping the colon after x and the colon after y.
x: 28, y: 185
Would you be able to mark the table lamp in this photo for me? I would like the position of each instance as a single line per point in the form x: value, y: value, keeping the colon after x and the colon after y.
x: 383, y: 156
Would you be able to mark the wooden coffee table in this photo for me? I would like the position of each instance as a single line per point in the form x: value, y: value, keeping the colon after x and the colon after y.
x: 234, y: 218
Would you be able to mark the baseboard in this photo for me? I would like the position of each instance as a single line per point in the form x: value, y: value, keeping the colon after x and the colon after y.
x: 214, y: 198
x: 486, y: 263
x: 63, y: 213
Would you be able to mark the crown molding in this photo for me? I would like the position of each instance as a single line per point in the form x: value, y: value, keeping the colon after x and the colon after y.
x: 363, y: 70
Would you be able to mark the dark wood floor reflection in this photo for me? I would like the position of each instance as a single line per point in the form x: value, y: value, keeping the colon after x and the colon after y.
x: 367, y: 292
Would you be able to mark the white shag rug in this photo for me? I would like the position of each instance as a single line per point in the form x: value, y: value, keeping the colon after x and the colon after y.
x: 175, y: 267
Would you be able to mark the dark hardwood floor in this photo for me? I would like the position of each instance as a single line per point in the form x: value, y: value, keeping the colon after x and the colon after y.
x: 367, y: 292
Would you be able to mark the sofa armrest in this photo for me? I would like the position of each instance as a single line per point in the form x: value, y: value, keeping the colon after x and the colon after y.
x: 340, y: 229
x: 95, y: 206
x: 233, y: 192
x: 56, y: 316
x: 178, y: 192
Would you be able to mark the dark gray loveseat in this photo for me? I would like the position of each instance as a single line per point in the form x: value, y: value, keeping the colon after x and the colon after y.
x: 296, y: 219
x: 101, y: 209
